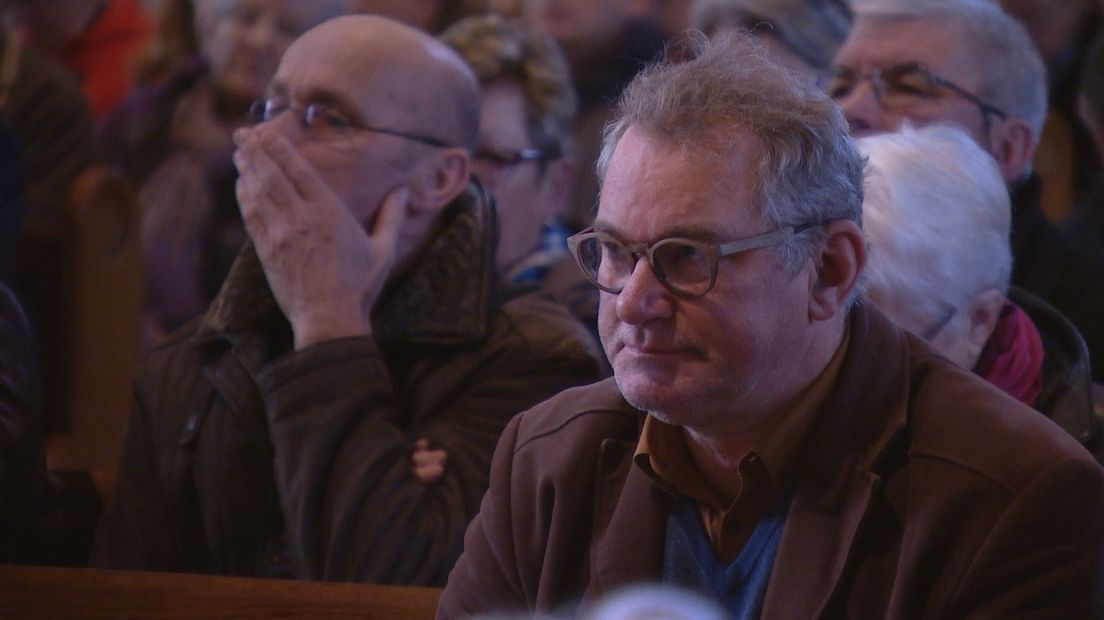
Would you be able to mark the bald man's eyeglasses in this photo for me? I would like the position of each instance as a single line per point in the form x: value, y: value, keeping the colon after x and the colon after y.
x: 325, y: 122
x: 899, y: 87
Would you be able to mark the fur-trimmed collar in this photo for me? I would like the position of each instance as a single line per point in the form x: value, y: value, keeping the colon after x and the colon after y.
x: 443, y: 298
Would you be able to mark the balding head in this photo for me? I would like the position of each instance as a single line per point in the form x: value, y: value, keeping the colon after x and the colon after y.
x: 425, y: 84
x: 375, y: 107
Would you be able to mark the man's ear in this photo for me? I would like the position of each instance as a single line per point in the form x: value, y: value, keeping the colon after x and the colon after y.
x: 555, y: 187
x: 839, y: 266
x: 437, y: 180
x: 983, y: 313
x: 1013, y: 145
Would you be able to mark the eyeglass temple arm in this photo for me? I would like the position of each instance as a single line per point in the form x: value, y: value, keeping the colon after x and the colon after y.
x: 761, y: 241
x: 978, y: 101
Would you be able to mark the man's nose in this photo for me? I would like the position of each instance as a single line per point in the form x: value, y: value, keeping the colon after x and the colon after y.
x: 862, y: 108
x: 644, y: 297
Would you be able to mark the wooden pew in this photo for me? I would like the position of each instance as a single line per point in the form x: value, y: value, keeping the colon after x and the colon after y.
x: 40, y: 592
x: 100, y: 325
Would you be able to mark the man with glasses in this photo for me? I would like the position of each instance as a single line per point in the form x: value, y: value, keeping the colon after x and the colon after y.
x: 968, y: 63
x: 768, y: 438
x: 274, y: 437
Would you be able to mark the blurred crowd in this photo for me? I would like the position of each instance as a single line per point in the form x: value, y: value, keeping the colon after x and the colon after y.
x: 986, y: 237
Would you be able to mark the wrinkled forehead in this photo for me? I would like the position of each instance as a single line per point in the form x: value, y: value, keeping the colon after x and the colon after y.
x: 937, y: 44
x: 378, y: 81
x: 319, y: 60
x: 665, y: 186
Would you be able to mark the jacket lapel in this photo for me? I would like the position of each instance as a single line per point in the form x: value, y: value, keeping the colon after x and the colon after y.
x: 446, y: 296
x: 630, y: 514
x: 861, y: 420
x: 242, y: 329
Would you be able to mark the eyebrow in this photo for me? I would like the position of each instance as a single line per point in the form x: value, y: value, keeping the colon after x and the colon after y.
x: 697, y: 233
x: 325, y: 97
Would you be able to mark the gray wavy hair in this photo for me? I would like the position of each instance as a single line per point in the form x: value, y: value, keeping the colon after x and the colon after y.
x: 809, y: 171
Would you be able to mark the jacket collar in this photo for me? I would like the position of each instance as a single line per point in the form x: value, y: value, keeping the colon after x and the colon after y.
x: 630, y: 512
x: 443, y: 298
x: 848, y: 445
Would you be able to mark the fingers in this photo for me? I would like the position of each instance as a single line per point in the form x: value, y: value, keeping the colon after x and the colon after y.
x: 428, y: 465
x: 254, y: 159
x: 275, y: 182
x: 430, y: 458
x: 249, y: 192
x: 241, y: 134
x: 392, y: 213
x: 390, y: 221
x: 428, y: 475
x: 285, y: 176
x: 302, y: 176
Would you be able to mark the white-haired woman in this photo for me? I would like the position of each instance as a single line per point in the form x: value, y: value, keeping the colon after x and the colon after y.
x: 937, y: 215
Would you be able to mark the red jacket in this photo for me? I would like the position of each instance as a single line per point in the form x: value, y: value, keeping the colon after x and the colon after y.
x: 103, y: 57
x: 924, y: 492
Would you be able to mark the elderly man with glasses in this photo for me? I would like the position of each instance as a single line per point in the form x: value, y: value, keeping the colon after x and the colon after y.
x: 274, y: 437
x: 966, y: 62
x: 768, y: 438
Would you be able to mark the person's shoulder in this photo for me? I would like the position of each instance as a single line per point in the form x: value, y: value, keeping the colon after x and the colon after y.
x: 546, y: 325
x: 965, y: 422
x: 173, y: 365
x: 578, y: 418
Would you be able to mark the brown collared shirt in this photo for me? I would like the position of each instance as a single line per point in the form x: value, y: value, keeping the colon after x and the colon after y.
x: 761, y: 473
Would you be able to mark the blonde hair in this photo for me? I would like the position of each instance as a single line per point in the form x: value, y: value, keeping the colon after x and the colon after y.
x: 499, y: 49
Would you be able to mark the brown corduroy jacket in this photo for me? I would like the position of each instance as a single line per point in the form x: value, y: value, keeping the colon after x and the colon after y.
x: 923, y: 492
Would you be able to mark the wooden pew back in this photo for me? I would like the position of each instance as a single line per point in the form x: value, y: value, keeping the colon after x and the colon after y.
x: 39, y: 592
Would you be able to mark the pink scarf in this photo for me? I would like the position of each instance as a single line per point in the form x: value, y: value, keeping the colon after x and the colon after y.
x: 1013, y: 356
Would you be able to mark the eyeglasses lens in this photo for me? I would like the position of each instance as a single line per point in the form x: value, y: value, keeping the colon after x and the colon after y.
x: 897, y: 87
x: 683, y: 266
x: 608, y: 262
x: 902, y: 86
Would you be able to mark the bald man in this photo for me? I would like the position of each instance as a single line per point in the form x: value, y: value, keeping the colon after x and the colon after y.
x: 274, y: 437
